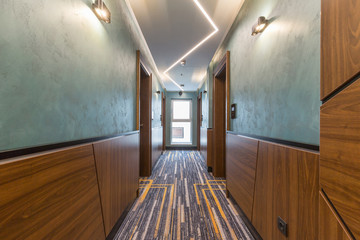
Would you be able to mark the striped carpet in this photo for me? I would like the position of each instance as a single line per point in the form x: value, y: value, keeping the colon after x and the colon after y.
x: 181, y: 200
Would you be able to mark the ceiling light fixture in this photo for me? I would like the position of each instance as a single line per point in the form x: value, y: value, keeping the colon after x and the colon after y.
x: 259, y: 26
x: 101, y: 11
x: 197, y: 45
x: 183, y: 62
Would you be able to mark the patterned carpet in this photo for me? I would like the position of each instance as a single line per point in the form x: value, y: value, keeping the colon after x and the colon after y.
x: 181, y: 200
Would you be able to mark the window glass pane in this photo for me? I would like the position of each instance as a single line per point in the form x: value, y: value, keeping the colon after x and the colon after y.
x: 181, y: 132
x: 181, y: 109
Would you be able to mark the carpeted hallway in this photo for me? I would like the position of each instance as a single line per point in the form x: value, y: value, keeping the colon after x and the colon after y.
x: 181, y: 200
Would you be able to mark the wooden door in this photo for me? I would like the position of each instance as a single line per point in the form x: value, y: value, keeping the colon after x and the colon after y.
x: 145, y: 99
x: 163, y: 119
x: 221, y: 110
x: 199, y: 119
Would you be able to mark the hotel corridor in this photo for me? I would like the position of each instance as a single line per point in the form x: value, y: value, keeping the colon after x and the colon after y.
x: 181, y: 200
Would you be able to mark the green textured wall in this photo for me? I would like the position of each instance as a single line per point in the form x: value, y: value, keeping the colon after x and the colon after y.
x: 185, y: 95
x: 207, y: 99
x: 275, y: 76
x: 64, y: 75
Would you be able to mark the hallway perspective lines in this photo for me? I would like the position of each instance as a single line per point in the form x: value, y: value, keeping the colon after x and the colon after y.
x: 181, y: 200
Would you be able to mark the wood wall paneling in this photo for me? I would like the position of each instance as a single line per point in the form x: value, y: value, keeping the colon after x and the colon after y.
x: 210, y: 148
x: 117, y: 163
x: 340, y: 48
x: 331, y: 227
x: 340, y: 154
x: 157, y: 144
x: 203, y: 142
x: 241, y: 157
x: 51, y: 196
x: 286, y: 185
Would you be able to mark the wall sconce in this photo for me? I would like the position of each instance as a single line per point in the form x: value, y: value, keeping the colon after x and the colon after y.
x: 259, y: 26
x: 205, y: 91
x: 101, y: 11
x: 158, y: 92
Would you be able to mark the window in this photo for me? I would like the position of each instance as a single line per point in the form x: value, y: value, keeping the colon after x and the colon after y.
x: 181, y: 121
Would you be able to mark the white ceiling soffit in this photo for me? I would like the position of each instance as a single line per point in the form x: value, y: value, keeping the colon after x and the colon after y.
x: 189, y: 29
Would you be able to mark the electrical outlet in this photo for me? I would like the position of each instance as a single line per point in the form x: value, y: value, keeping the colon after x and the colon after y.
x: 282, y: 226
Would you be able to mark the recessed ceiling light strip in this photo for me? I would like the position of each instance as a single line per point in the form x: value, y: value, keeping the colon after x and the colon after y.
x: 206, y: 15
x: 197, y: 45
x: 174, y: 81
x: 189, y: 52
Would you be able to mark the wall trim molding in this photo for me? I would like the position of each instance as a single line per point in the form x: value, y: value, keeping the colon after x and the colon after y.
x: 279, y: 141
x: 43, y: 148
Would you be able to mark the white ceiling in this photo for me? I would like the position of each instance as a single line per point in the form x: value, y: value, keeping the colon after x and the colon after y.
x: 173, y: 27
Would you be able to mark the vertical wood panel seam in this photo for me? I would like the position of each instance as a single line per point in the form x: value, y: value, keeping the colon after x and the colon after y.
x: 98, y: 185
x: 256, y: 166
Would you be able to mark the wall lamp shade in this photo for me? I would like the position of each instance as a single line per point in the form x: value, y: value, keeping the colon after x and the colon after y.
x: 158, y: 92
x: 205, y: 91
x: 101, y: 11
x: 259, y: 26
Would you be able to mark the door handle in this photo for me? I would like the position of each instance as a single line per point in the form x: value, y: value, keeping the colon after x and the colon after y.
x: 141, y: 125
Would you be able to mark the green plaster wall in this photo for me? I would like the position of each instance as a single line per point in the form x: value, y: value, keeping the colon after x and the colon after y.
x: 64, y: 75
x: 185, y: 95
x: 207, y: 98
x: 275, y: 76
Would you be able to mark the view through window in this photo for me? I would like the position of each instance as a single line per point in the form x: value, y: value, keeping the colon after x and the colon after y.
x: 181, y: 121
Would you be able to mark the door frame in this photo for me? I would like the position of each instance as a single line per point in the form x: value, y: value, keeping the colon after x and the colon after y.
x: 199, y: 119
x: 221, y: 114
x: 163, y: 118
x: 144, y: 115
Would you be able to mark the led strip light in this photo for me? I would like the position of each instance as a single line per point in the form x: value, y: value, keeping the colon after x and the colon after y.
x: 196, y: 46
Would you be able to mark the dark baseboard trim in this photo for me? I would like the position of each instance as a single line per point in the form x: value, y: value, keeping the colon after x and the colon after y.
x: 117, y: 225
x: 247, y: 222
x: 43, y: 148
x: 279, y: 141
x: 190, y: 148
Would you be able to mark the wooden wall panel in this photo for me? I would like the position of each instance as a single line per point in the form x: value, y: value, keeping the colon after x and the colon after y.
x: 340, y: 48
x: 241, y: 156
x: 203, y: 142
x: 117, y: 163
x: 210, y: 148
x: 331, y: 227
x: 51, y: 196
x: 286, y: 185
x: 157, y: 143
x: 340, y: 154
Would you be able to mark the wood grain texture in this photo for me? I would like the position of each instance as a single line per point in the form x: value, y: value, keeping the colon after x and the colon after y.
x: 117, y: 164
x: 145, y: 122
x: 203, y: 142
x: 157, y: 144
x: 340, y: 154
x: 241, y: 157
x: 287, y: 185
x: 331, y: 227
x: 210, y: 148
x: 340, y: 48
x: 51, y: 196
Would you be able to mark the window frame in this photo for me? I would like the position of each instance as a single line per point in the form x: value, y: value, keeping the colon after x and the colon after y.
x: 189, y: 120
